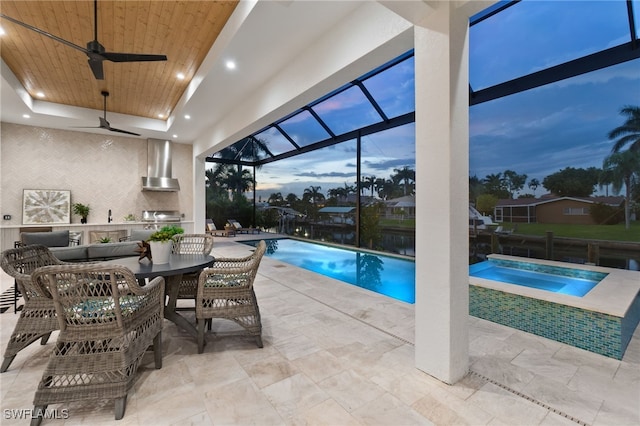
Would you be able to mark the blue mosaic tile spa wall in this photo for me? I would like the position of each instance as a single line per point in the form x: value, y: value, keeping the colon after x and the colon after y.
x: 596, y: 332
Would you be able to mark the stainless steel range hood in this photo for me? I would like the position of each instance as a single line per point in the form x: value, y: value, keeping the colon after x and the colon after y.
x: 159, y: 161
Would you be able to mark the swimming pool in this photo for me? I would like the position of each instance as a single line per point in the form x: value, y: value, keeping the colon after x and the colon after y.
x: 391, y: 276
x: 574, y: 282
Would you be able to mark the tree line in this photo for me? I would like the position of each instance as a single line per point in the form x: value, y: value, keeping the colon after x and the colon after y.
x: 620, y: 169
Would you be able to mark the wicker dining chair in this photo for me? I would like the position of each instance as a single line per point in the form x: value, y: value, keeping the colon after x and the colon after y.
x: 225, y: 291
x: 38, y: 315
x: 107, y: 322
x: 191, y: 244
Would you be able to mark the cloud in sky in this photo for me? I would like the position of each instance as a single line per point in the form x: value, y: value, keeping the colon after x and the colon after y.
x: 546, y: 129
x: 537, y: 132
x: 326, y: 175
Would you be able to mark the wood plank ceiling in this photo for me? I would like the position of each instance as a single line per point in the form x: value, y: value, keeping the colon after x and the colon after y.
x: 184, y: 31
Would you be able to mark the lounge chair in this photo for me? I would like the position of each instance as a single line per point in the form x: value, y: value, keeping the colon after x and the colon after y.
x: 240, y: 229
x: 212, y: 230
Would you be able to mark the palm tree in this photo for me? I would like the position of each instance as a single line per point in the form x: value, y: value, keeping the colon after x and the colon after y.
x: 624, y: 169
x: 336, y: 193
x: 604, y: 180
x: 238, y: 181
x: 292, y: 199
x: 387, y: 189
x: 369, y: 182
x: 251, y: 149
x: 404, y: 175
x: 313, y: 194
x: 629, y: 132
x: 276, y: 199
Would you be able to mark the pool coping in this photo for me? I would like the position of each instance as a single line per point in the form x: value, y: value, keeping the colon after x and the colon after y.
x: 613, y: 295
x: 339, y: 246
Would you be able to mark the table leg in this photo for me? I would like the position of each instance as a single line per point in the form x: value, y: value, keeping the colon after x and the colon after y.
x: 172, y: 284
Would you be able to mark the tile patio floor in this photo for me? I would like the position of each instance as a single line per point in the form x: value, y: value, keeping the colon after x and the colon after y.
x: 335, y: 354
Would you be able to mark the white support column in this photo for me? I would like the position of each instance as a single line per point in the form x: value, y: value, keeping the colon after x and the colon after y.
x: 199, y: 195
x: 442, y: 170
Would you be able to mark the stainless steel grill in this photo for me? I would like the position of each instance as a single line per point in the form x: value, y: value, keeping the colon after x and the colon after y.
x: 156, y: 219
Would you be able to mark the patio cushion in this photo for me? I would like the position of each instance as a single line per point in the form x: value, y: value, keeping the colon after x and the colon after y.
x: 112, y: 250
x: 48, y: 239
x: 141, y: 234
x: 70, y: 253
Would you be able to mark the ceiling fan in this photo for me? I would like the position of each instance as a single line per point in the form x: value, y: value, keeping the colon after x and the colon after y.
x: 104, y: 124
x: 95, y: 51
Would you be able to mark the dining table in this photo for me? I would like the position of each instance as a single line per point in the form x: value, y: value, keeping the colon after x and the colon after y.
x: 172, y: 272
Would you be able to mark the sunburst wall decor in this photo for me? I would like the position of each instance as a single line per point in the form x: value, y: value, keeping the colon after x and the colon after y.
x: 46, y: 206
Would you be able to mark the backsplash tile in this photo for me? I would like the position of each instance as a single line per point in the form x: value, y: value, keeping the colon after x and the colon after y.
x: 103, y: 171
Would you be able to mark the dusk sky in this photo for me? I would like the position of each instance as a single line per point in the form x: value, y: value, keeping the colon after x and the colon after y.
x: 565, y: 124
x: 537, y: 132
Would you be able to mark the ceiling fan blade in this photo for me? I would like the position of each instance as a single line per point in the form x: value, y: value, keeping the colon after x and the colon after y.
x: 132, y: 57
x: 95, y: 63
x: 113, y: 129
x: 104, y: 124
x: 94, y: 50
x: 44, y: 33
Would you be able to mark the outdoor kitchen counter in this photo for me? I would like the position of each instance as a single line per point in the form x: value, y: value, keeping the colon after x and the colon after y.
x: 11, y: 233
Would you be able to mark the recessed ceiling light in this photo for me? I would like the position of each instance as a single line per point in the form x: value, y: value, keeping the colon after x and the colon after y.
x: 180, y: 76
x: 187, y: 116
x: 230, y: 65
x: 26, y: 116
x: 175, y: 136
x: 160, y: 116
x: 40, y: 95
x: 2, y: 31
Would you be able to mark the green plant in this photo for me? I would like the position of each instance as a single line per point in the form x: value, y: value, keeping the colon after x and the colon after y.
x: 130, y: 217
x: 81, y: 210
x: 166, y: 233
x: 105, y: 240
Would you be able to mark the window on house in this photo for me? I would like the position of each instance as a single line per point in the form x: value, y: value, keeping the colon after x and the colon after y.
x: 575, y: 211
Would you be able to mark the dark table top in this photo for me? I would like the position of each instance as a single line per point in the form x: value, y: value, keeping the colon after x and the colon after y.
x: 178, y: 264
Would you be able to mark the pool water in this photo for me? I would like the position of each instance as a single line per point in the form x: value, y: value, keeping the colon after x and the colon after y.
x: 573, y: 282
x: 386, y: 275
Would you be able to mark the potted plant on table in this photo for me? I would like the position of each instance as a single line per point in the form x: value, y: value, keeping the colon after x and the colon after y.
x: 81, y: 210
x: 161, y: 243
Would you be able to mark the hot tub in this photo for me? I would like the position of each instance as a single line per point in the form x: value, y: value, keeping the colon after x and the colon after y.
x: 602, y: 319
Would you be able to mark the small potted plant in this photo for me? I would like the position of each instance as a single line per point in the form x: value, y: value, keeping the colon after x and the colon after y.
x: 161, y: 243
x: 81, y: 210
x: 130, y: 218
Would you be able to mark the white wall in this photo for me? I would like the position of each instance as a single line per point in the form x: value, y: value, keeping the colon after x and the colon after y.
x: 102, y: 171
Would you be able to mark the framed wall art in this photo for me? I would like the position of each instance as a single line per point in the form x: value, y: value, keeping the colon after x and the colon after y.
x: 46, y: 206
